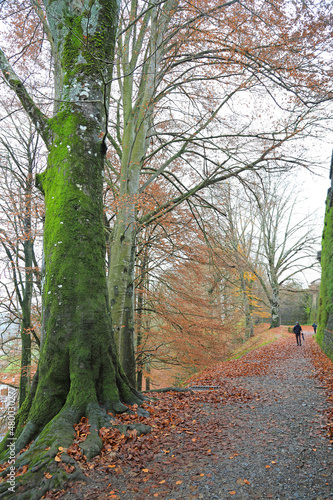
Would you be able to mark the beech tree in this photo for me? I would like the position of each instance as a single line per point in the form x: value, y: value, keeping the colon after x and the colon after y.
x: 187, y: 325
x: 162, y: 248
x: 266, y: 240
x: 190, y: 292
x: 235, y: 238
x: 78, y: 373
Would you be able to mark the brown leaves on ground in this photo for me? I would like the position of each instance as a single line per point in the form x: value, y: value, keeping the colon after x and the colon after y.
x: 187, y: 426
x: 324, y: 372
x: 82, y: 430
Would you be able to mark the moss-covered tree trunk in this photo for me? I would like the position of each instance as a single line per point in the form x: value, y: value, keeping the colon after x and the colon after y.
x: 79, y: 373
x: 325, y: 311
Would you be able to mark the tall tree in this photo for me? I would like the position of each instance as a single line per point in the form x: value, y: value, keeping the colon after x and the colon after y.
x: 266, y: 239
x: 79, y: 373
x: 188, y: 327
x: 193, y: 308
x: 241, y: 247
x: 288, y: 240
x: 79, y: 369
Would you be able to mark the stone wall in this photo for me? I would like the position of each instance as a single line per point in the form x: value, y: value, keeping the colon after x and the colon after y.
x: 327, y: 344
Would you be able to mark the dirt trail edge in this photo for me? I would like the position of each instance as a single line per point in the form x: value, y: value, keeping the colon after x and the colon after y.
x: 262, y: 435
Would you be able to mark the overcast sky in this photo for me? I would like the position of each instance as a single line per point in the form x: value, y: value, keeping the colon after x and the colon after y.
x: 314, y: 192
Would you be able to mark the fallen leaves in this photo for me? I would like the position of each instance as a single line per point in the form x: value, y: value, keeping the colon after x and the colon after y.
x: 324, y: 372
x: 75, y: 451
x: 82, y: 430
x: 21, y: 471
x: 189, y: 428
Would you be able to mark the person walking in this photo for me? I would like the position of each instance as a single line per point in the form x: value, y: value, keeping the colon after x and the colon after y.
x: 314, y: 326
x: 298, y: 330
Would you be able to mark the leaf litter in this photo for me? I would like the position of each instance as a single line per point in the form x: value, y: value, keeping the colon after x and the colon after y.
x: 194, y: 432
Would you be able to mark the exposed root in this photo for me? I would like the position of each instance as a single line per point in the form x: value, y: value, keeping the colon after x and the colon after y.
x: 48, y: 463
x: 97, y: 419
x: 171, y: 389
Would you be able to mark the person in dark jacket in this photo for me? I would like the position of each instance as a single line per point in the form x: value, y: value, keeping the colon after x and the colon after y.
x: 314, y: 326
x: 298, y: 330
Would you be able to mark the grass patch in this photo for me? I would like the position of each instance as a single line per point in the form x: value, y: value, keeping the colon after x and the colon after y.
x: 260, y: 340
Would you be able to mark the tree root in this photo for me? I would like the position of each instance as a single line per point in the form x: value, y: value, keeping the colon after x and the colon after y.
x: 48, y: 463
x: 45, y: 476
x: 42, y: 470
x: 170, y: 389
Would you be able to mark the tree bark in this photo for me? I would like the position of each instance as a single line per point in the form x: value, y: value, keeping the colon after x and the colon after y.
x: 275, y: 307
x: 25, y: 377
x: 143, y: 286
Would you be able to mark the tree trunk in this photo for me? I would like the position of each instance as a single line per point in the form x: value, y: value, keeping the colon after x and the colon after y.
x: 25, y: 375
x: 139, y: 337
x: 247, y: 306
x: 137, y: 113
x: 121, y: 287
x: 143, y: 286
x: 79, y: 373
x: 148, y: 373
x: 275, y: 307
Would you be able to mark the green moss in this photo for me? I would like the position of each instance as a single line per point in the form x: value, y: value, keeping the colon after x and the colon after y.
x: 89, y: 41
x: 40, y: 458
x: 73, y: 44
x: 246, y: 351
x: 78, y: 365
x: 325, y: 323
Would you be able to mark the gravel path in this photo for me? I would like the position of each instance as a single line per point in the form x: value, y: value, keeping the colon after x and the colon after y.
x: 272, y: 446
x: 282, y: 446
